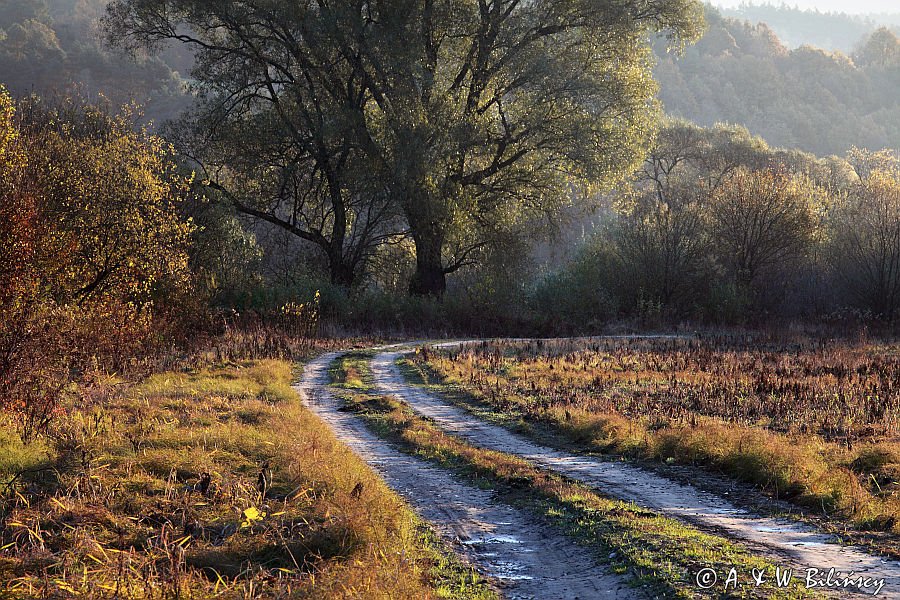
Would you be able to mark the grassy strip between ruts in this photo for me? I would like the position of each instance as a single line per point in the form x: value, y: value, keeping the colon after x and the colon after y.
x: 209, y: 482
x: 812, y: 474
x: 658, y: 552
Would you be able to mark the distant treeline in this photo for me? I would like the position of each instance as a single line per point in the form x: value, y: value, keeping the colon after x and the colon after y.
x: 719, y: 227
x: 806, y: 98
x: 828, y: 30
x: 741, y: 72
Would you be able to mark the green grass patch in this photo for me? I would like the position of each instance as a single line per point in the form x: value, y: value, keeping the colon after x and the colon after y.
x: 351, y: 371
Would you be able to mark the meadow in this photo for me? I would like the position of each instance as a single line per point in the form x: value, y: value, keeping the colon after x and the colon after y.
x: 208, y: 480
x: 656, y: 553
x: 810, y: 422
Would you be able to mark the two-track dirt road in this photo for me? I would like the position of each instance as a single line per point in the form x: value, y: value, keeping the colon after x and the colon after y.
x: 527, y: 558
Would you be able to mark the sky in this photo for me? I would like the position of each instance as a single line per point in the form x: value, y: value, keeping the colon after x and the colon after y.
x: 846, y: 6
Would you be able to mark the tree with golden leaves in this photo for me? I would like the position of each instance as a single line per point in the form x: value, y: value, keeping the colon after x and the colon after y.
x: 90, y: 238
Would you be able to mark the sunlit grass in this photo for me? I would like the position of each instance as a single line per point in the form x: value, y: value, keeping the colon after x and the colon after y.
x: 212, y: 481
x: 18, y: 457
x: 352, y: 371
x: 654, y: 550
x: 659, y: 401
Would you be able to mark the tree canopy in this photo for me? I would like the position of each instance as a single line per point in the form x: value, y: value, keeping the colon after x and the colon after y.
x: 469, y: 117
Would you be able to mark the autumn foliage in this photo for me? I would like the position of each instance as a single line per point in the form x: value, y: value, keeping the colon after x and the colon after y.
x: 90, y: 243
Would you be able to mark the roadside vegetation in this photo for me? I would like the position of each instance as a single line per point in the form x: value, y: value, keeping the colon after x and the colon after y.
x: 811, y: 423
x: 508, y: 170
x: 208, y: 481
x: 657, y: 552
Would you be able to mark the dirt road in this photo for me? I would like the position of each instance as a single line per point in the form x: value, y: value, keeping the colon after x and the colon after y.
x: 525, y: 557
x: 784, y: 541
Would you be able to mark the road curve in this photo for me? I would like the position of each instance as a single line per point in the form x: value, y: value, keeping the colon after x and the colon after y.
x: 786, y: 542
x: 525, y: 557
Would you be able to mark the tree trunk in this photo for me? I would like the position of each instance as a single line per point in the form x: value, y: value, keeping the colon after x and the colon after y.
x: 429, y: 278
x: 427, y: 220
x: 342, y: 273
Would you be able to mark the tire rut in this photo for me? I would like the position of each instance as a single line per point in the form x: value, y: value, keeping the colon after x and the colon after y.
x: 524, y: 556
x: 793, y: 544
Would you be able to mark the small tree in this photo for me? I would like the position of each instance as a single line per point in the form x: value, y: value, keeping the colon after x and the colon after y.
x: 111, y: 192
x: 661, y: 242
x: 661, y: 235
x: 881, y: 49
x: 760, y: 219
x: 865, y: 243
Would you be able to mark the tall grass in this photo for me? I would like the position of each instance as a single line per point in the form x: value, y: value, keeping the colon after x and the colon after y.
x: 208, y: 481
x: 815, y: 424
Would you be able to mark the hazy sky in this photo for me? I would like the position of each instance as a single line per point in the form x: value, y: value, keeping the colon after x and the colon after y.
x: 847, y: 6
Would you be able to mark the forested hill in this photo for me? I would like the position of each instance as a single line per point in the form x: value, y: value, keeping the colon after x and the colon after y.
x: 796, y: 27
x: 740, y: 72
x: 819, y: 101
x: 54, y: 47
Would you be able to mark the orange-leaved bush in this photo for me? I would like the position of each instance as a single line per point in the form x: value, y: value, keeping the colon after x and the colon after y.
x: 91, y: 241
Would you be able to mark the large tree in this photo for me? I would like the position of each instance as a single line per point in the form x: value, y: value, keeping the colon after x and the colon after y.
x: 291, y: 165
x: 470, y: 114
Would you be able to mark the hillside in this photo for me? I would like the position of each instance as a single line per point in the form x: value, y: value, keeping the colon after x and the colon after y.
x: 56, y: 48
x: 805, y: 98
x: 742, y: 71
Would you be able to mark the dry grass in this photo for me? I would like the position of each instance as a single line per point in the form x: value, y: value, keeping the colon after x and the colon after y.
x: 813, y: 425
x: 656, y: 551
x: 208, y: 482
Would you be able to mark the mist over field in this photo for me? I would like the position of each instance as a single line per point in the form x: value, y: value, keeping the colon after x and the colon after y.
x: 861, y: 7
x: 839, y: 30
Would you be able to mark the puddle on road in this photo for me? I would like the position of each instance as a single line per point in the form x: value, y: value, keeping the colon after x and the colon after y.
x: 812, y: 540
x: 503, y: 570
x: 725, y: 511
x: 508, y: 570
x: 495, y: 539
x: 808, y: 544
